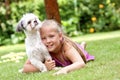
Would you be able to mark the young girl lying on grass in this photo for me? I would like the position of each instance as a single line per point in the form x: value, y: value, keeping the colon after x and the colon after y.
x: 65, y: 53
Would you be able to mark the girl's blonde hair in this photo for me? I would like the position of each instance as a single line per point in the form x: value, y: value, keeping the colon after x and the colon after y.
x: 52, y: 23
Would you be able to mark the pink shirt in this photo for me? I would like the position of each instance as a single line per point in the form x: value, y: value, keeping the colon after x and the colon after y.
x: 68, y: 62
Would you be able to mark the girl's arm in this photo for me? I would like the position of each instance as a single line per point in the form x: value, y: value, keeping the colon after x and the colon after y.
x: 77, y: 61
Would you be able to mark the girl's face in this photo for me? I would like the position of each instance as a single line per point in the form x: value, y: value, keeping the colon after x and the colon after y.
x: 51, y: 38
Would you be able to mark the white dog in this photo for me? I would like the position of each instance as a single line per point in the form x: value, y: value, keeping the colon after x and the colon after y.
x: 35, y: 49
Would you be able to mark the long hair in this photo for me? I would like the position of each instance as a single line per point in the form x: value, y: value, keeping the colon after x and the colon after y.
x: 68, y: 40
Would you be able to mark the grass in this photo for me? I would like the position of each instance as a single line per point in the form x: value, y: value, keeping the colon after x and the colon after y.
x: 104, y: 46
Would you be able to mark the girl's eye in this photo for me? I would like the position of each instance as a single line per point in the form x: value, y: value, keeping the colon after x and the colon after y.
x: 43, y: 38
x: 51, y: 36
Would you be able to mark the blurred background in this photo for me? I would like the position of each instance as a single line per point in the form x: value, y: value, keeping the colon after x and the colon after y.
x: 78, y: 17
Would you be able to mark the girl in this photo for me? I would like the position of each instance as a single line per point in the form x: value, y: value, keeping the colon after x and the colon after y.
x: 65, y: 53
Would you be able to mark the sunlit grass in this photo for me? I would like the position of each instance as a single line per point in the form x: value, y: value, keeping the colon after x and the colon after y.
x: 104, y: 46
x: 12, y: 56
x: 12, y: 48
x: 97, y: 36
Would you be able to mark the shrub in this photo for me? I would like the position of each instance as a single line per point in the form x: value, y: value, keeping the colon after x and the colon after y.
x: 88, y: 16
x: 98, y: 15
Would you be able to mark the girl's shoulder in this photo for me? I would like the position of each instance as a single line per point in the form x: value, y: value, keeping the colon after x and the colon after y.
x: 67, y: 45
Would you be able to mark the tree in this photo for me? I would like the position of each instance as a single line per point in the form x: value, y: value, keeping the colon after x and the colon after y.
x: 52, y: 10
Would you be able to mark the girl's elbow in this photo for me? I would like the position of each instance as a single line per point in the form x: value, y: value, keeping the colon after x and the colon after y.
x: 82, y: 64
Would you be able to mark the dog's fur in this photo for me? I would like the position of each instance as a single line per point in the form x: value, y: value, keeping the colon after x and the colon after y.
x: 35, y: 49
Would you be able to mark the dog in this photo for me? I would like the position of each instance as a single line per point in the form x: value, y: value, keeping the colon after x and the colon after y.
x: 36, y: 51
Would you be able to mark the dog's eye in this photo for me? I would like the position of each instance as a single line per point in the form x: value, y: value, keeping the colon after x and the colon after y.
x: 35, y: 21
x: 29, y: 22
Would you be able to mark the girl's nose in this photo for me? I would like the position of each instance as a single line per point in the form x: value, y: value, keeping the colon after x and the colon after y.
x: 47, y: 40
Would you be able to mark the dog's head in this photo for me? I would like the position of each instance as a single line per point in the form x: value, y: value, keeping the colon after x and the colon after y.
x: 29, y: 22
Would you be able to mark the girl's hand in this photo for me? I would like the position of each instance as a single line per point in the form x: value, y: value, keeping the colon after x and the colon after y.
x: 62, y: 71
x: 50, y: 64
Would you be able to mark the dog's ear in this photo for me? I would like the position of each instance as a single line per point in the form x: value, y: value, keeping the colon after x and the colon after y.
x: 20, y: 26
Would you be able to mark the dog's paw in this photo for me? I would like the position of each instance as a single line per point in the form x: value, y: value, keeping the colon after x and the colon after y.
x: 20, y: 70
x: 57, y: 68
x: 44, y: 70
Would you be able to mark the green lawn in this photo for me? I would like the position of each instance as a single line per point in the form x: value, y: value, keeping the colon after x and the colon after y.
x: 104, y: 46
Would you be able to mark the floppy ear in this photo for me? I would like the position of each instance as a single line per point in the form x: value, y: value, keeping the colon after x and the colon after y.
x: 19, y: 27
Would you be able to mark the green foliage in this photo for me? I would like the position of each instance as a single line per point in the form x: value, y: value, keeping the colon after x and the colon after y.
x: 117, y: 3
x: 70, y: 16
x: 98, y: 15
x: 88, y: 16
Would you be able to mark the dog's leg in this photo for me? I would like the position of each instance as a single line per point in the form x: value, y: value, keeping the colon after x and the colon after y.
x: 46, y: 54
x: 38, y: 64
